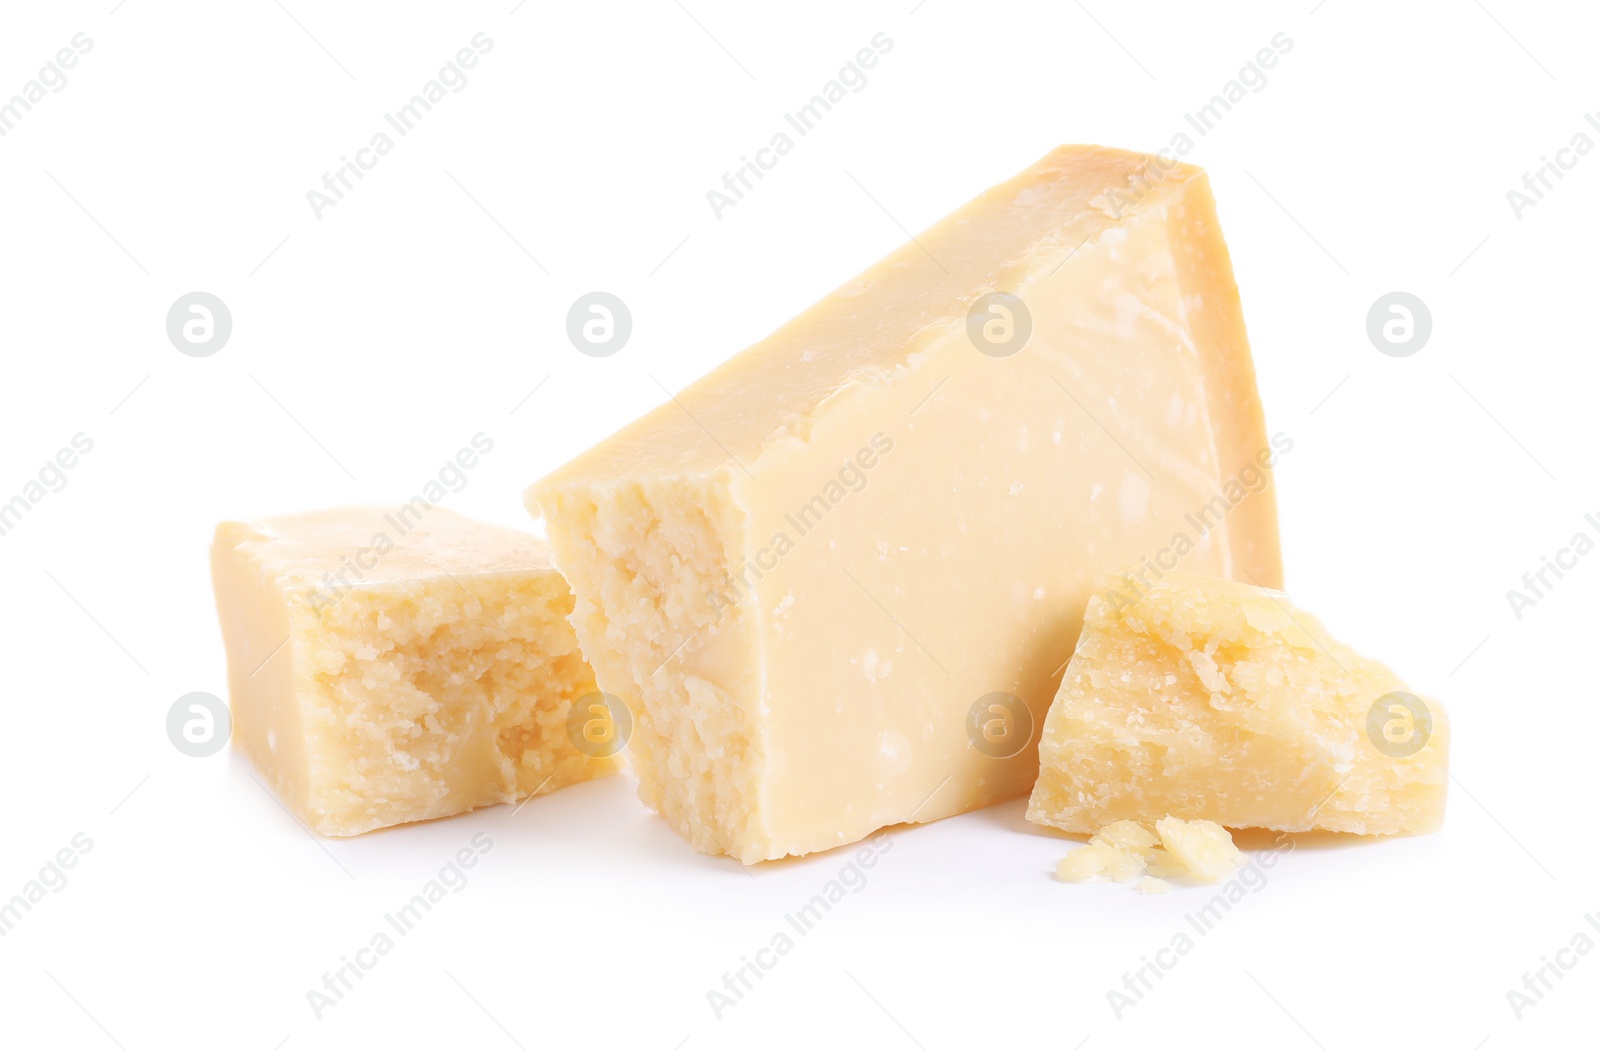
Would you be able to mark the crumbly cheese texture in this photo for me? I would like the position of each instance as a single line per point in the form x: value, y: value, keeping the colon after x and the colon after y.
x: 386, y: 667
x: 804, y: 571
x: 1128, y: 852
x: 1205, y: 698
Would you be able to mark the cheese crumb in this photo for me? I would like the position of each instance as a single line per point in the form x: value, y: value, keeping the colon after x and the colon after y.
x: 1204, y: 848
x: 1126, y: 851
x: 1130, y: 836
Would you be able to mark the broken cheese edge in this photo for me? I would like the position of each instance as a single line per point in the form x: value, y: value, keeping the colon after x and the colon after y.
x: 805, y: 570
x: 1205, y: 698
x: 385, y: 668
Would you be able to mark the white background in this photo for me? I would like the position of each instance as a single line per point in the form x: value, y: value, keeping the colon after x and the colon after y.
x: 370, y: 344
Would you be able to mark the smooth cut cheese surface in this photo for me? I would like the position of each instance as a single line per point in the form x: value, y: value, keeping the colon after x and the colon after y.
x: 1209, y: 699
x: 394, y: 666
x: 837, y: 578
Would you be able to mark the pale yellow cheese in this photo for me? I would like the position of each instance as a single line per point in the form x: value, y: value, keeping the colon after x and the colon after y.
x: 1125, y: 851
x: 1131, y: 837
x: 1202, y: 849
x: 386, y: 667
x: 1100, y: 858
x: 1203, y: 698
x: 837, y: 578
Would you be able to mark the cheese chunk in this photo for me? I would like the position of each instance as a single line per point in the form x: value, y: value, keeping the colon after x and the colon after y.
x: 385, y: 668
x: 1204, y: 698
x: 837, y: 578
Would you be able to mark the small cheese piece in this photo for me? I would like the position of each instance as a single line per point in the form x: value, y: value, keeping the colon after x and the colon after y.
x: 1208, y: 699
x: 1201, y: 848
x: 1126, y: 851
x: 1131, y: 837
x: 1100, y: 858
x: 1163, y: 865
x: 393, y: 667
x: 837, y: 578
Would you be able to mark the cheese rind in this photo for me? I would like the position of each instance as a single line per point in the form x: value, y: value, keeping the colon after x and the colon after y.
x: 393, y: 668
x: 805, y: 570
x: 1209, y: 699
